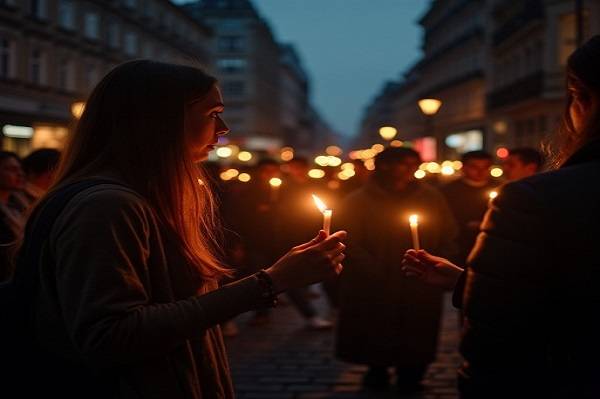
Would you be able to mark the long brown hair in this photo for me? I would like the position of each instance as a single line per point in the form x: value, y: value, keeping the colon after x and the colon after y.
x: 582, y: 74
x: 133, y: 123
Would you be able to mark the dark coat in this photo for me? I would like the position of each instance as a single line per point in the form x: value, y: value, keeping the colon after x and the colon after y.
x: 532, y: 294
x: 385, y: 318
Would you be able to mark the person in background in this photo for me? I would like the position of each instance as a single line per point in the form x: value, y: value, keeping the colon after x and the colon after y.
x: 12, y: 209
x: 532, y: 290
x: 251, y: 214
x: 468, y: 197
x: 297, y: 218
x: 521, y: 163
x: 39, y: 167
x: 385, y: 319
x: 357, y: 181
x: 128, y: 296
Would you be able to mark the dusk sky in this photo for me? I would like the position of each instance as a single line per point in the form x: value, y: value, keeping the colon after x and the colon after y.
x: 348, y: 47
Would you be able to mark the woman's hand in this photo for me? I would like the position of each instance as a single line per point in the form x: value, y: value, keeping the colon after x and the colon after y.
x: 430, y: 269
x: 310, y: 262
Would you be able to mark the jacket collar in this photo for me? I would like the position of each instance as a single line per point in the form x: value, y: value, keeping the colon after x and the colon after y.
x: 588, y: 153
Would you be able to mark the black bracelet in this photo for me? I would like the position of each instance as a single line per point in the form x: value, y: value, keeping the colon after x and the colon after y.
x: 268, y: 289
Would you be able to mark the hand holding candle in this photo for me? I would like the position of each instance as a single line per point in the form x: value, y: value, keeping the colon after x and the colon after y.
x: 327, y: 213
x: 414, y: 230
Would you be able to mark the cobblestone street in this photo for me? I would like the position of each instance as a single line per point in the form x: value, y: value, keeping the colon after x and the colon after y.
x: 284, y: 360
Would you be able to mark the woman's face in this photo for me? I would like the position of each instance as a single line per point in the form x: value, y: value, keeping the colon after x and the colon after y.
x: 584, y: 105
x: 203, y: 124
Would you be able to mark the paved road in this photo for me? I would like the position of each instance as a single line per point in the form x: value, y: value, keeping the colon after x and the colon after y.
x: 284, y: 360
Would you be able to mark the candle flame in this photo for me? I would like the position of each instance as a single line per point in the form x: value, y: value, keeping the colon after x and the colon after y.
x: 414, y: 219
x: 320, y: 204
x: 275, y: 182
x: 493, y: 194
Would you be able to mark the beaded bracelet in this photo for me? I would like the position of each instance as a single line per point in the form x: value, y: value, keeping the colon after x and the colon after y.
x: 268, y: 290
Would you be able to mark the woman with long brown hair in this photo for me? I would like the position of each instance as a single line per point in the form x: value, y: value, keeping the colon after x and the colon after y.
x: 532, y: 292
x: 127, y: 299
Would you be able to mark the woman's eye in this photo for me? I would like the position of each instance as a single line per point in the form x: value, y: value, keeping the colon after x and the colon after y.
x: 215, y: 115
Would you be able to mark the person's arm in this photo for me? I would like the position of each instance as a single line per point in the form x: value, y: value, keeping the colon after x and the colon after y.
x: 102, y: 251
x: 506, y: 285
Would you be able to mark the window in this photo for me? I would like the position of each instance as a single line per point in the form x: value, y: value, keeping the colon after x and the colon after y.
x: 231, y: 43
x: 38, y: 9
x: 131, y: 44
x: 114, y: 40
x: 91, y: 75
x: 231, y: 65
x: 130, y: 3
x: 6, y: 58
x: 66, y: 14
x: 37, y: 68
x: 66, y: 79
x: 91, y: 25
x: 234, y: 87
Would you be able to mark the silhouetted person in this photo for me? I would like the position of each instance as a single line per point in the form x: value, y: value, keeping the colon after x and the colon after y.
x: 468, y: 197
x: 532, y: 291
x: 386, y: 320
x: 40, y: 168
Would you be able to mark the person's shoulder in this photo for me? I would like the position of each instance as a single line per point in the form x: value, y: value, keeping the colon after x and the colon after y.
x: 107, y: 199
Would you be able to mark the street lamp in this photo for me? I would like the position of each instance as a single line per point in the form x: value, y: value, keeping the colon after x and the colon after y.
x: 429, y: 106
x: 388, y: 132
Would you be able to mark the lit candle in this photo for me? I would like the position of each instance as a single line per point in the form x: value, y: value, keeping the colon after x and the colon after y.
x: 327, y: 213
x: 414, y: 229
x: 493, y: 194
x: 275, y: 183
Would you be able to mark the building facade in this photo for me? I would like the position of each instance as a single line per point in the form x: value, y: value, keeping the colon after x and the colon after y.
x: 53, y: 52
x: 265, y: 86
x: 530, y: 42
x: 498, y: 66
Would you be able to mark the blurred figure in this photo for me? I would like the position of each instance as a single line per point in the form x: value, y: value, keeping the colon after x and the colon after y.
x: 251, y: 214
x: 521, y: 163
x: 468, y: 198
x: 532, y: 290
x: 386, y: 320
x: 12, y: 219
x: 297, y: 218
x: 39, y: 167
x: 357, y: 181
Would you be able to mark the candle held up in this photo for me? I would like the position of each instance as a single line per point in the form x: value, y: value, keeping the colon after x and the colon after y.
x: 414, y: 230
x: 327, y: 213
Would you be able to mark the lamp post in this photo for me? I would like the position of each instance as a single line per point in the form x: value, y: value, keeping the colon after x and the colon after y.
x: 429, y: 107
x: 388, y: 132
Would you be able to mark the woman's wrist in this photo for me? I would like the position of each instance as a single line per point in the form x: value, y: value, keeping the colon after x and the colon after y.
x: 278, y: 282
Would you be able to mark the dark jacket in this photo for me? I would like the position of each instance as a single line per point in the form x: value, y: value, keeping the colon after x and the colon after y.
x: 386, y: 319
x: 117, y: 297
x: 532, y: 295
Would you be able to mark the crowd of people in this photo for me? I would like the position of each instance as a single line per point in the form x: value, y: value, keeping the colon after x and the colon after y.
x: 125, y: 285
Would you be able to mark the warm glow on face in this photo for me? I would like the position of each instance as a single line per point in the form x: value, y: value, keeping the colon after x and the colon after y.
x: 275, y: 182
x: 320, y: 204
x: 430, y: 106
x: 414, y: 220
